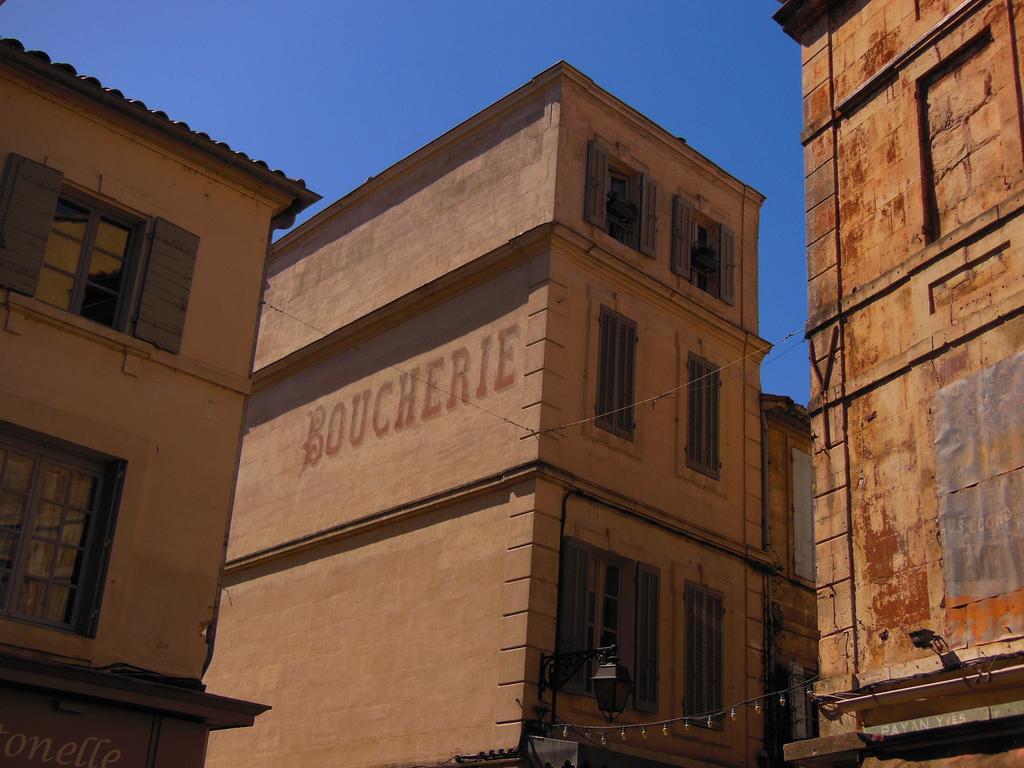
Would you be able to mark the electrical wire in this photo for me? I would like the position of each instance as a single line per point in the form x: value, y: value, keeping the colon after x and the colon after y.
x: 579, y: 422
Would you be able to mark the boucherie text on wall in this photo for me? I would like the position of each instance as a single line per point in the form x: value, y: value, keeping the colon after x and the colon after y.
x: 423, y: 392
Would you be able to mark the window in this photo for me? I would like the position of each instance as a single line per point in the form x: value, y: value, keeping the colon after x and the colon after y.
x: 616, y: 363
x: 703, y: 635
x: 621, y: 201
x: 703, y: 251
x: 55, y: 509
x: 702, y: 416
x: 609, y: 600
x: 86, y: 257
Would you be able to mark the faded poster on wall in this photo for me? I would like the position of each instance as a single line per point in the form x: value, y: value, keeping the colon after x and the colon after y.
x: 979, y: 451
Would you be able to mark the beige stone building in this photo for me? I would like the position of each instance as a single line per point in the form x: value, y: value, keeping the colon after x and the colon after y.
x: 132, y: 252
x: 458, y: 400
x: 913, y: 153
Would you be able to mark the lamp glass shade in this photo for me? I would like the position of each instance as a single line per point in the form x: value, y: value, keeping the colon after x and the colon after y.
x: 612, y: 685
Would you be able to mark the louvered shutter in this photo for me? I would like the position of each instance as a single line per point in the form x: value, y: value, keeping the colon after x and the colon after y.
x: 28, y: 200
x: 647, y: 627
x: 627, y: 617
x: 164, y: 302
x: 694, y: 668
x: 628, y: 367
x: 682, y: 227
x: 572, y: 595
x: 728, y: 264
x: 713, y: 392
x: 714, y: 653
x: 648, y: 216
x: 605, y: 367
x: 597, y: 185
x: 704, y: 671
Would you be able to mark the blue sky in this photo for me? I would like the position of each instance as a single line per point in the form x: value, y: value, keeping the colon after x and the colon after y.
x: 335, y: 92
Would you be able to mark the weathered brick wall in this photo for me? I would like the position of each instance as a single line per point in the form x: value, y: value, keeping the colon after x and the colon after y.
x: 913, y: 163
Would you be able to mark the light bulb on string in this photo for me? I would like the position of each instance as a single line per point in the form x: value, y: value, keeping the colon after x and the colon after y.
x: 709, y: 721
x: 782, y: 699
x: 565, y: 730
x: 664, y: 729
x: 604, y: 739
x: 757, y: 705
x: 643, y: 733
x: 732, y: 713
x: 686, y: 725
x: 623, y: 734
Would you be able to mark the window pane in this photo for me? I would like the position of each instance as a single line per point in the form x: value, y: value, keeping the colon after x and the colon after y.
x: 112, y: 237
x: 58, y: 604
x: 54, y: 288
x: 99, y: 305
x: 83, y: 492
x: 18, y: 472
x: 70, y: 219
x: 55, y: 483
x: 8, y: 546
x: 31, y: 597
x: 12, y: 509
x: 68, y: 561
x: 105, y: 270
x: 75, y: 526
x: 62, y: 253
x: 48, y: 520
x: 41, y: 558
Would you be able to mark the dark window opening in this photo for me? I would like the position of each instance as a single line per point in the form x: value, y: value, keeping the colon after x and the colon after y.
x: 87, y: 256
x: 606, y: 600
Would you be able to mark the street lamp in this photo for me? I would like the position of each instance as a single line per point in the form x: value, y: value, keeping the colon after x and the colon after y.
x: 612, y: 682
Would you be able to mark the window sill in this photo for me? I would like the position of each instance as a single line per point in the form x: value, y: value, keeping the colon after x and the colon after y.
x: 136, y: 351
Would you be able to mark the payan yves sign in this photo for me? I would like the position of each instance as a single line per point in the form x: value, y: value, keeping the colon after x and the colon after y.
x: 425, y: 391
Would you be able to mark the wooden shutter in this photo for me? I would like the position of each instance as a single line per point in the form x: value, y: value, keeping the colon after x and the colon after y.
x: 713, y: 391
x: 572, y: 596
x: 628, y: 373
x: 597, y: 185
x: 727, y: 263
x: 605, y: 367
x: 647, y: 594
x: 616, y: 373
x: 28, y: 200
x: 648, y: 216
x: 682, y: 235
x: 704, y: 672
x: 164, y: 302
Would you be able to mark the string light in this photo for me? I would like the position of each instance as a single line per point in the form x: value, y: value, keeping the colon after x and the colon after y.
x: 756, y: 702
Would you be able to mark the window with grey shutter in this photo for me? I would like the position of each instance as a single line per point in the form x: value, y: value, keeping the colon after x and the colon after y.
x: 728, y: 261
x: 616, y: 364
x: 702, y: 439
x: 647, y: 595
x: 165, y: 292
x: 597, y: 185
x: 682, y: 235
x: 573, y: 597
x: 703, y: 614
x: 27, y: 203
x: 648, y: 216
